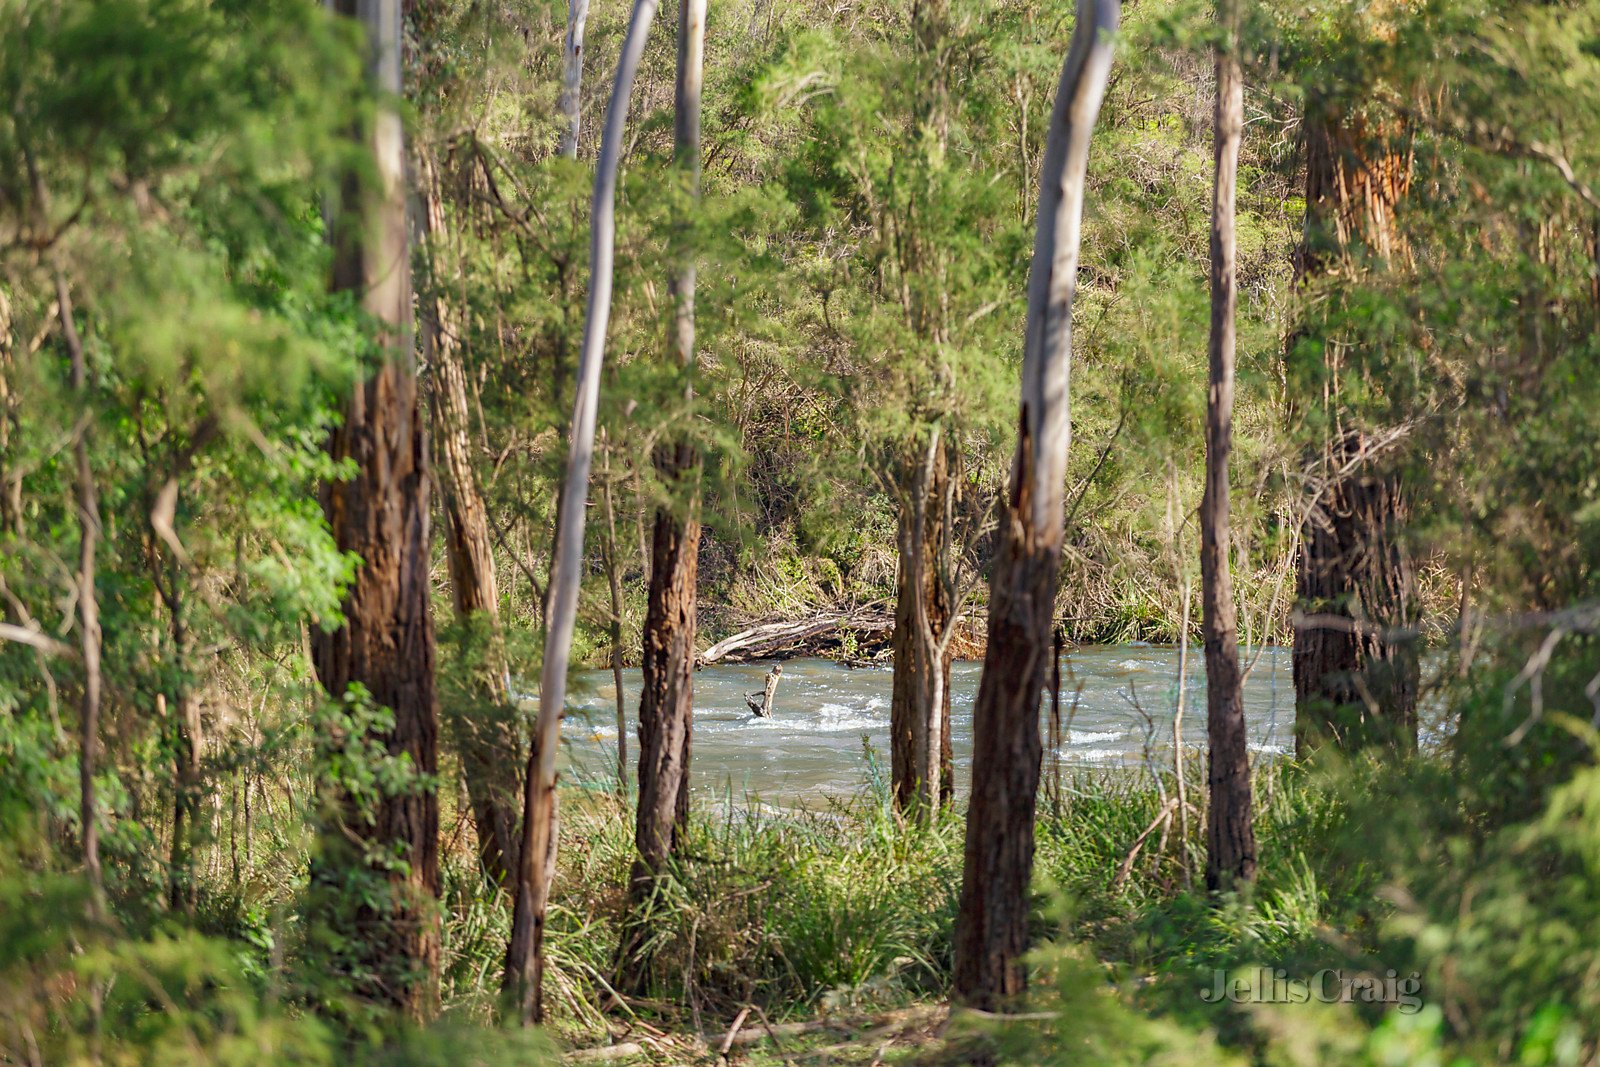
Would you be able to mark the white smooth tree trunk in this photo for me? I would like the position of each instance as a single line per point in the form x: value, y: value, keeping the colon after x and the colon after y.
x: 572, y: 77
x: 525, y: 956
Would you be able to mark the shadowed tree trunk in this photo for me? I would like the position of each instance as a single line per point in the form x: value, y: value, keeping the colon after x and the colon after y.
x: 485, y: 731
x: 921, y: 687
x: 89, y: 641
x: 1230, y: 835
x: 666, y: 707
x: 921, y: 769
x: 991, y: 932
x: 1355, y: 680
x: 381, y: 513
x: 524, y: 973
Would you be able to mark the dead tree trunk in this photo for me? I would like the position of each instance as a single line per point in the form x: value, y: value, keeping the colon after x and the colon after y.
x: 524, y: 976
x: 919, y: 710
x: 1230, y: 834
x: 666, y: 707
x: 1354, y: 679
x: 385, y: 642
x: 485, y: 732
x: 991, y: 933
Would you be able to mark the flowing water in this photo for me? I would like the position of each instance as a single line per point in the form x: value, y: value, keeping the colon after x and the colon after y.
x: 1117, y: 704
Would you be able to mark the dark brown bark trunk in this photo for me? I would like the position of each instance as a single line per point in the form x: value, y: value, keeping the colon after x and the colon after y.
x: 1356, y: 672
x: 991, y: 934
x: 1356, y: 680
x: 921, y: 594
x: 666, y: 705
x: 385, y: 642
x: 992, y: 925
x: 485, y: 732
x: 1230, y: 834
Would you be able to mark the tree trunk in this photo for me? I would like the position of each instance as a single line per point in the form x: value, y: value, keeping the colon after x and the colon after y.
x: 88, y: 507
x: 1354, y: 679
x: 919, y: 710
x: 10, y: 476
x: 991, y: 933
x: 524, y: 976
x: 666, y: 706
x: 571, y: 103
x: 381, y: 513
x: 1230, y: 834
x: 486, y: 732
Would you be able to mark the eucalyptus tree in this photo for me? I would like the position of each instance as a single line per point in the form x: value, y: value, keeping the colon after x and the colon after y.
x: 991, y: 935
x: 479, y: 718
x: 1230, y: 834
x: 524, y: 972
x: 1355, y: 668
x: 666, y: 705
x: 383, y: 650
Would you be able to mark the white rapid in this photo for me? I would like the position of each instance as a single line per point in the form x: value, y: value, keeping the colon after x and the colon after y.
x: 1117, y: 703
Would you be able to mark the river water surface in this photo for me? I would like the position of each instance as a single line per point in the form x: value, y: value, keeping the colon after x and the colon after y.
x: 1121, y: 700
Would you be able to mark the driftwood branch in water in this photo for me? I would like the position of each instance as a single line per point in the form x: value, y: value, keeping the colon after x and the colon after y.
x: 762, y: 704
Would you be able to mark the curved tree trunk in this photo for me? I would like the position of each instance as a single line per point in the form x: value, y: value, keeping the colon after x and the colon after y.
x: 1230, y: 835
x: 524, y: 977
x: 991, y: 933
x: 381, y: 513
x: 485, y: 733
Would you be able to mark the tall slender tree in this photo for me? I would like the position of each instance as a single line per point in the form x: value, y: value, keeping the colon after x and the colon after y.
x: 921, y: 768
x: 380, y: 513
x: 524, y: 977
x: 1230, y: 835
x: 666, y: 705
x: 485, y: 731
x: 992, y: 923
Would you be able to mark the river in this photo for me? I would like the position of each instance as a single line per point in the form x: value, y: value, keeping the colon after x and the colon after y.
x: 812, y: 747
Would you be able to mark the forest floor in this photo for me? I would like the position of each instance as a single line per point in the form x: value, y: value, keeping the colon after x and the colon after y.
x: 909, y: 1035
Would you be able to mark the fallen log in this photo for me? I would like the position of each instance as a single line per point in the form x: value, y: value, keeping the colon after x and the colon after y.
x: 820, y: 635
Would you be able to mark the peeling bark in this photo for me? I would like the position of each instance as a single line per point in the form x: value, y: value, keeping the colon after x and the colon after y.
x: 381, y: 513
x: 666, y: 705
x: 991, y: 934
x: 1353, y: 681
x: 919, y: 710
x: 486, y: 735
